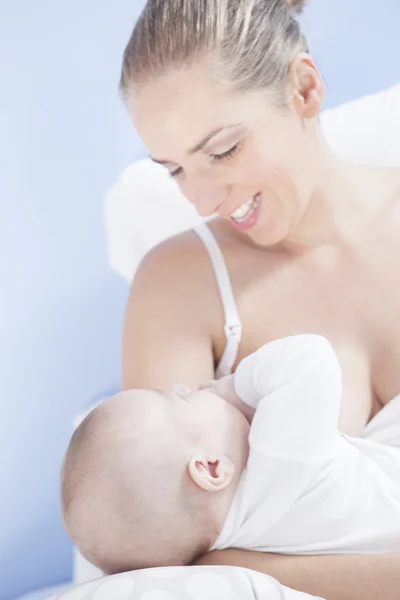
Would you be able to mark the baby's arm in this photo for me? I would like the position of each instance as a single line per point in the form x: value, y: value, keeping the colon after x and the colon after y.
x: 295, y: 385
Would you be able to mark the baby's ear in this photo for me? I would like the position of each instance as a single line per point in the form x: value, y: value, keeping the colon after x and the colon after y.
x: 211, y: 474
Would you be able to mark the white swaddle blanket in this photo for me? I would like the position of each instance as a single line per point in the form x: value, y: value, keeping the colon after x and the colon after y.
x: 306, y: 487
x: 385, y: 426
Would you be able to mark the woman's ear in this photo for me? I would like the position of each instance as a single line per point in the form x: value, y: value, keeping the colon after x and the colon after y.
x: 211, y: 474
x: 307, y: 86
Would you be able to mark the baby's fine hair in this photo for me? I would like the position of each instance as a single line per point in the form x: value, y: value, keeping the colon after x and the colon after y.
x: 127, y: 501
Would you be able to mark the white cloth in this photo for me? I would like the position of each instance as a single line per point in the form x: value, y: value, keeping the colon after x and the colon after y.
x: 307, y: 489
x: 183, y: 583
x: 385, y: 426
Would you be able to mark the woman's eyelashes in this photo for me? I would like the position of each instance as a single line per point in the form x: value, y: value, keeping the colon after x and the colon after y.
x: 227, y: 154
x: 176, y: 172
x: 215, y: 158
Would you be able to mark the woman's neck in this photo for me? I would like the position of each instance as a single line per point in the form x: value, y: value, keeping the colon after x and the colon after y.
x: 346, y: 201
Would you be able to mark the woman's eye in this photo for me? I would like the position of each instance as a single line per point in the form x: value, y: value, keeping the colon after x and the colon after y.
x: 228, y: 154
x: 215, y: 157
x: 176, y: 172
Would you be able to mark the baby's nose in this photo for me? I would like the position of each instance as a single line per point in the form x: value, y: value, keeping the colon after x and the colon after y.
x: 208, y: 385
x: 180, y: 388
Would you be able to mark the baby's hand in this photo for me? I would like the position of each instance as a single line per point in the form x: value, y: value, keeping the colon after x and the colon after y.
x: 225, y: 389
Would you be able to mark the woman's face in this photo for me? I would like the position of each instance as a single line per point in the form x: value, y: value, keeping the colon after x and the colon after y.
x: 231, y: 153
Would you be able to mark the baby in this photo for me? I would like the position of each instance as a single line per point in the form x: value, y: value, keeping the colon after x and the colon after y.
x: 253, y: 461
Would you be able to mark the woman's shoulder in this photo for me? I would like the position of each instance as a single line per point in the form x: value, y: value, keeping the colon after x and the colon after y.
x: 179, y: 271
x: 170, y: 308
x: 179, y: 257
x: 186, y: 253
x: 180, y: 268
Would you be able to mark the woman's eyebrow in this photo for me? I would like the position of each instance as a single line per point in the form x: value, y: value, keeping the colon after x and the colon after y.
x: 208, y: 137
x: 200, y: 145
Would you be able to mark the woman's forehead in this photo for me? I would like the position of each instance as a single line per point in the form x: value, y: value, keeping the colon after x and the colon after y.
x: 177, y: 110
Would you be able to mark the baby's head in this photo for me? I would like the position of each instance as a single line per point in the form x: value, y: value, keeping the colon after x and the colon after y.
x: 148, y: 477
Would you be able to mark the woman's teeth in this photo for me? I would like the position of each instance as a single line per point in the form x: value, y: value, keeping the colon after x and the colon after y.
x: 245, y: 211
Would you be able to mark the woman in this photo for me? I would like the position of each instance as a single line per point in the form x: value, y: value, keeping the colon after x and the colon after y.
x: 227, y: 98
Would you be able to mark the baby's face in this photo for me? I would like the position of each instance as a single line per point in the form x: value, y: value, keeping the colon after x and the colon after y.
x: 139, y: 447
x: 200, y: 411
x: 181, y: 413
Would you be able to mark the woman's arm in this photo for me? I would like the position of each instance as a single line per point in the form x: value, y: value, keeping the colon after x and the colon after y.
x: 333, y: 577
x: 167, y: 332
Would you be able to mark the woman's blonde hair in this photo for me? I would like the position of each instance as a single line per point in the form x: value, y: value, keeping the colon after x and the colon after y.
x: 248, y: 44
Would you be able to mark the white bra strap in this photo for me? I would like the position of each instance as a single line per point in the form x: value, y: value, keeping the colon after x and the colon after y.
x: 233, y: 325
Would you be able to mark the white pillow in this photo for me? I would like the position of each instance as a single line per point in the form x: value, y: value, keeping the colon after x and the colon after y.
x: 187, y: 583
x: 145, y: 206
x: 366, y: 131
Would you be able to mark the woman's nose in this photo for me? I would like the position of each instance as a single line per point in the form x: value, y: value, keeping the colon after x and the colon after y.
x: 206, y: 196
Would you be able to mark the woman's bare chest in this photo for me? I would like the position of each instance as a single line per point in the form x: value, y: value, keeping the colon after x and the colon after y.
x: 353, y: 300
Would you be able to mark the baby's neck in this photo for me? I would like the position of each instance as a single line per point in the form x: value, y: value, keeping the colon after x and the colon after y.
x: 219, y: 508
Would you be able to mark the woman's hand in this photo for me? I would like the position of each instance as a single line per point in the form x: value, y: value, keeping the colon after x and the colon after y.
x: 225, y: 389
x: 332, y: 577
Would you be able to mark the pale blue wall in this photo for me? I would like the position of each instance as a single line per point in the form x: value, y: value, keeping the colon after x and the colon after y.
x: 64, y: 137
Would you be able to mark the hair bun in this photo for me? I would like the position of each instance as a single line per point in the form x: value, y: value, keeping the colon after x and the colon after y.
x: 297, y: 5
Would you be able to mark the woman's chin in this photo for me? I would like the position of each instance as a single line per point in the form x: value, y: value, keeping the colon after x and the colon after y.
x: 268, y: 235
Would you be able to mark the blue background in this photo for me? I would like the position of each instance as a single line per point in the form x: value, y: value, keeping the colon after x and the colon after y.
x: 64, y: 138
